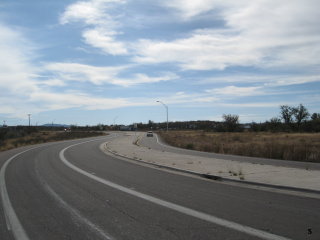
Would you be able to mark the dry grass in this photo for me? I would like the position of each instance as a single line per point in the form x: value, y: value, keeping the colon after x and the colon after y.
x: 286, y: 146
x: 45, y: 136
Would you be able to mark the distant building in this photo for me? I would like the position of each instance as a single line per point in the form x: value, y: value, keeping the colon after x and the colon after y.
x: 192, y: 126
x: 246, y: 127
x: 125, y: 128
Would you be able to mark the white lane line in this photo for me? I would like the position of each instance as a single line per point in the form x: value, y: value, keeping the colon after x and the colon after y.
x: 188, y: 211
x: 75, y: 214
x: 12, y: 220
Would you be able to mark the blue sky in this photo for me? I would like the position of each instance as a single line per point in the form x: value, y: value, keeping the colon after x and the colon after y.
x: 109, y: 61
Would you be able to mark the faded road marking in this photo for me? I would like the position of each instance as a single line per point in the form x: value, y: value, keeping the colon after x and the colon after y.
x: 74, y: 212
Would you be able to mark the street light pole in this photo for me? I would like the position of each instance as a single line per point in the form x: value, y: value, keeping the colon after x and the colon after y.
x: 29, y: 118
x: 167, y: 113
x: 114, y: 122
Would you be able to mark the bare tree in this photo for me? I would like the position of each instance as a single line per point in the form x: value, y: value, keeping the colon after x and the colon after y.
x: 286, y: 113
x: 315, y: 116
x: 300, y: 113
x: 231, y: 122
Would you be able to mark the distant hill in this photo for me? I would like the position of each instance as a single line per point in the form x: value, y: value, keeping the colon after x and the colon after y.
x: 55, y: 125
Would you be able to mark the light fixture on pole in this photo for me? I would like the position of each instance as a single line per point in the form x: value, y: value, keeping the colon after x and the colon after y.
x: 167, y: 113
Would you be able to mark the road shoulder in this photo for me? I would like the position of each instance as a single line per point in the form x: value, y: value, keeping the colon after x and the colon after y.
x: 128, y: 146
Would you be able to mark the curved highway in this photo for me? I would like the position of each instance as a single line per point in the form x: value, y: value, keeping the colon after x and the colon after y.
x: 72, y: 190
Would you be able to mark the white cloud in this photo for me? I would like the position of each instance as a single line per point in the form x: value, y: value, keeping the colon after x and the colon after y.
x: 102, y: 75
x: 204, y: 50
x: 57, y: 101
x: 189, y: 98
x: 25, y: 88
x: 266, y: 80
x: 102, y: 32
x: 53, y: 83
x: 291, y: 80
x: 266, y: 33
x: 6, y: 109
x: 89, y: 12
x: 83, y: 73
x: 16, y: 73
x: 190, y: 8
x: 254, y: 105
x: 105, y: 41
x: 237, y: 91
x: 260, y: 33
x: 92, y: 12
x: 140, y: 78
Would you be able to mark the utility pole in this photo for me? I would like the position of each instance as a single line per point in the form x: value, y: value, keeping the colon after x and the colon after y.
x: 29, y: 118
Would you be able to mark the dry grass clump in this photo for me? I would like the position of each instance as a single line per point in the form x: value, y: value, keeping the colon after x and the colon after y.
x: 286, y: 146
x: 46, y: 136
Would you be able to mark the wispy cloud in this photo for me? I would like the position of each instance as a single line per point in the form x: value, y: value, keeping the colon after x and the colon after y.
x: 237, y: 91
x: 200, y: 53
x: 53, y: 83
x: 188, y: 9
x: 254, y: 105
x: 105, y: 41
x: 57, y: 101
x: 102, y: 32
x: 29, y: 87
x: 16, y: 72
x: 203, y: 50
x: 93, y: 12
x: 83, y: 73
x: 102, y: 75
x: 261, y: 34
x: 274, y: 80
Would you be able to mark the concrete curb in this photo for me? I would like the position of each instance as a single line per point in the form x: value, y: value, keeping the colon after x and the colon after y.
x: 300, y: 165
x: 215, y: 177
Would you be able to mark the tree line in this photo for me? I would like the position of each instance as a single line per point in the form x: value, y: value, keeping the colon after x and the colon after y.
x: 290, y: 119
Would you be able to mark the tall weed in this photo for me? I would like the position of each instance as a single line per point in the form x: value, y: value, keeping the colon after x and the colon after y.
x: 285, y: 146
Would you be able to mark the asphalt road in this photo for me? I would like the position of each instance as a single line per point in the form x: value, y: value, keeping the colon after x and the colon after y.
x: 71, y: 190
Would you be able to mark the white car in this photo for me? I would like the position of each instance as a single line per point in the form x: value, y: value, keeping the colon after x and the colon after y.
x: 150, y: 134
